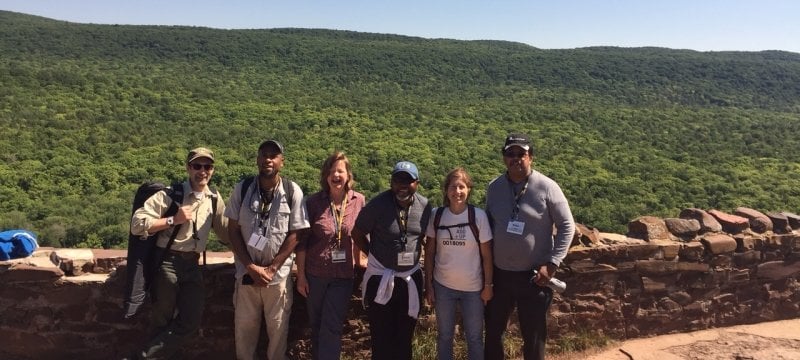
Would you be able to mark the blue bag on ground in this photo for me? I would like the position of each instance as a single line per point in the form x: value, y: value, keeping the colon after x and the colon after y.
x: 15, y: 244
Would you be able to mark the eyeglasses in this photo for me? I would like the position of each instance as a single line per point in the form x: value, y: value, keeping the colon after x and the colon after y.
x: 514, y: 154
x: 197, y: 167
x: 402, y: 179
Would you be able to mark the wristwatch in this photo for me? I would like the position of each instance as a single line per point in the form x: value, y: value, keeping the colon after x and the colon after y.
x: 171, y: 220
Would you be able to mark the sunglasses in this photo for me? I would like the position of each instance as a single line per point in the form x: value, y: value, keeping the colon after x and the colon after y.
x: 402, y: 179
x: 197, y: 167
x: 515, y: 154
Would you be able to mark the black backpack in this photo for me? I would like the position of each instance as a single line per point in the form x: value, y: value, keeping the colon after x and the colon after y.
x: 470, y: 221
x: 142, y: 252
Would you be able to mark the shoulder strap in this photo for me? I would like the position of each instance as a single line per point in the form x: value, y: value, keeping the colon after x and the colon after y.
x: 288, y: 189
x: 175, y: 192
x: 472, y: 224
x: 214, y: 198
x: 245, y: 185
x: 437, y: 219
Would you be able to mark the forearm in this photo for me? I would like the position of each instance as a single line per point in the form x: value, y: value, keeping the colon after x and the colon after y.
x: 286, y: 250
x: 158, y: 225
x: 430, y: 259
x: 237, y: 243
x: 300, y: 250
x: 301, y: 263
x: 565, y: 227
x: 487, y: 263
x: 360, y: 239
x: 220, y: 226
x: 148, y: 220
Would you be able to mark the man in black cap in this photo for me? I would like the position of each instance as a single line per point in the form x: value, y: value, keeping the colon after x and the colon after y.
x: 523, y: 207
x: 395, y: 221
x: 265, y: 214
x: 178, y: 282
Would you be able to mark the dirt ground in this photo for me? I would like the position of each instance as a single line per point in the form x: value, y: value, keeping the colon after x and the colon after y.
x: 778, y: 340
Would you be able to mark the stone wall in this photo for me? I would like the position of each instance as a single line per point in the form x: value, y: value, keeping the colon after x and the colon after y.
x: 701, y: 270
x: 704, y: 269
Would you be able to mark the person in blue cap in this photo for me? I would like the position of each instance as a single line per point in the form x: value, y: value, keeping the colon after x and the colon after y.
x: 395, y: 221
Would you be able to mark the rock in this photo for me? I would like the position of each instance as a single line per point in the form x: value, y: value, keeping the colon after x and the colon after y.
x: 776, y: 270
x: 73, y: 262
x: 586, y: 235
x: 718, y: 243
x: 648, y: 228
x: 732, y: 224
x: 28, y: 273
x: 691, y: 251
x: 611, y: 238
x: 681, y: 297
x: 759, y: 222
x: 780, y: 223
x: 707, y: 222
x: 685, y: 229
x: 794, y: 220
x: 746, y: 242
x: 747, y: 258
x: 105, y: 261
x: 661, y: 268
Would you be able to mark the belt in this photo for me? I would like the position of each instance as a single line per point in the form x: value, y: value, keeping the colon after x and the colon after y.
x: 190, y: 255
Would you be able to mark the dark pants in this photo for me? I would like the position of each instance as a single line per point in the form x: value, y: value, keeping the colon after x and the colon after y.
x: 328, y: 300
x: 390, y: 326
x: 513, y: 288
x: 178, y: 286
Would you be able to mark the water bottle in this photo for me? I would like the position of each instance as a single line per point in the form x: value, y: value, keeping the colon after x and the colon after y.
x: 555, y: 284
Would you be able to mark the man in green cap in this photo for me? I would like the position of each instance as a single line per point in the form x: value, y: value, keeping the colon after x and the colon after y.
x: 178, y: 281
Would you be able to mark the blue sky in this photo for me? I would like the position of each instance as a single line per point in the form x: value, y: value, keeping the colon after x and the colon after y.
x: 705, y: 25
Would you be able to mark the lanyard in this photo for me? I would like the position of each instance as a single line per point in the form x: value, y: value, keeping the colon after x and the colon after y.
x: 402, y: 223
x: 338, y: 220
x: 265, y: 205
x: 200, y: 199
x: 517, y: 196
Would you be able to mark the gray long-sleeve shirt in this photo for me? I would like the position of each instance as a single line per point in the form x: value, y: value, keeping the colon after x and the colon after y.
x: 542, y: 206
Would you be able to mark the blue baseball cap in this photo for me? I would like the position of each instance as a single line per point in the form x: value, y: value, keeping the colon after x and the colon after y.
x: 406, y: 167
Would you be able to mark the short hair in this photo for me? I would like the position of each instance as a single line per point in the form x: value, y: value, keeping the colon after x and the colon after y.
x: 453, y: 175
x: 326, y: 170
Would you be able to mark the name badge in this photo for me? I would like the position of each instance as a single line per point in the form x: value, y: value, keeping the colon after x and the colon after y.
x: 515, y: 227
x: 338, y: 256
x: 406, y: 258
x: 257, y: 241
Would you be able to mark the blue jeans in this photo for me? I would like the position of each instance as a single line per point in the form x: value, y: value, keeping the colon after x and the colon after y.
x: 471, y: 315
x: 328, y: 300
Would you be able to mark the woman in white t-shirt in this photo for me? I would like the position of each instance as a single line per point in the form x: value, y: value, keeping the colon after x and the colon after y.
x: 458, y: 267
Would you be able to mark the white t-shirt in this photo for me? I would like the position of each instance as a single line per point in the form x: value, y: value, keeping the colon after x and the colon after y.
x: 458, y: 261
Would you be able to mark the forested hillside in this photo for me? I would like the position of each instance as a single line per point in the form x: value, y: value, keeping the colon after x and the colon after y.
x: 89, y: 112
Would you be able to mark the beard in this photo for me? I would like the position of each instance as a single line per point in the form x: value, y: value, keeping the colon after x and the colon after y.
x: 403, y: 197
x: 268, y: 173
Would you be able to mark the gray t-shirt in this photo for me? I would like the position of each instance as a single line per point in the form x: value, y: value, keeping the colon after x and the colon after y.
x: 542, y: 206
x: 379, y: 219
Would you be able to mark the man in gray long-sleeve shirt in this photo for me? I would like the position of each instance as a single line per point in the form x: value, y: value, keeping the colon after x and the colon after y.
x: 523, y: 207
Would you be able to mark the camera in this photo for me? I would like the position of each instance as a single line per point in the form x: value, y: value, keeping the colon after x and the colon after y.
x: 247, y: 280
x: 555, y: 284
